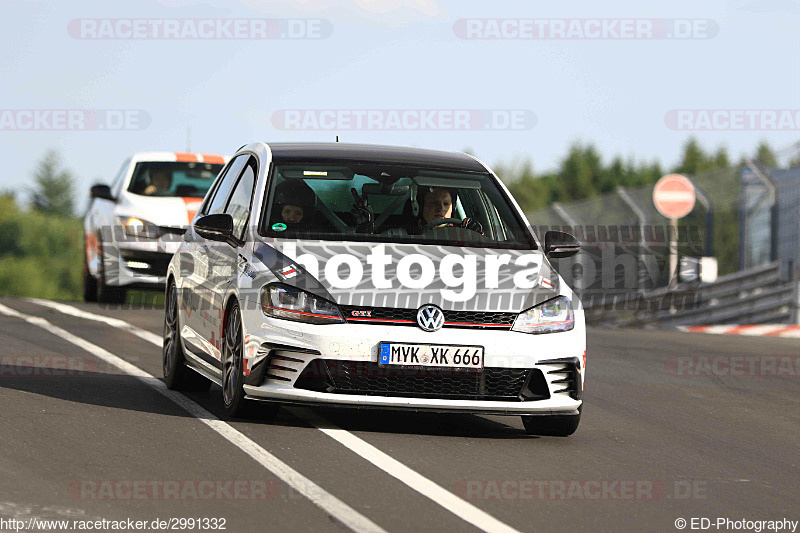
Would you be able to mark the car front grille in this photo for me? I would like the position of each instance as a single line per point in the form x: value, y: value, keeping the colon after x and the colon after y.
x: 369, y: 378
x: 408, y: 317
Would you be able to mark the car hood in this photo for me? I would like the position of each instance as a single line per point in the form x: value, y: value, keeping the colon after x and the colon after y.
x: 170, y: 211
x: 410, y: 275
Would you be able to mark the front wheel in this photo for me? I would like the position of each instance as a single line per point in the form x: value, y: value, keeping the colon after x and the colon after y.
x: 89, y: 283
x: 552, y: 425
x: 232, y: 364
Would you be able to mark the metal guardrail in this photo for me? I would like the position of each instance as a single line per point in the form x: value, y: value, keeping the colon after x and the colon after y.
x: 753, y: 296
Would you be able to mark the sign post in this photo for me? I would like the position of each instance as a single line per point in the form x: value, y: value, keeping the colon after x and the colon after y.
x: 674, y: 198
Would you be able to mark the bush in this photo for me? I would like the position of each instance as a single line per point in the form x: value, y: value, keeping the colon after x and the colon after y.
x: 40, y: 255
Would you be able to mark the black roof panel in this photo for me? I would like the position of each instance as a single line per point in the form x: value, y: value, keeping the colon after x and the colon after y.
x: 374, y: 154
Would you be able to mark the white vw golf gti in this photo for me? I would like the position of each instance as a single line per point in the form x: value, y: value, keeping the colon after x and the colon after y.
x: 369, y: 276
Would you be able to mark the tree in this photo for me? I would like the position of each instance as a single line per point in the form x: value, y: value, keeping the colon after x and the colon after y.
x: 54, y: 187
x: 578, y: 172
x: 694, y: 159
x: 766, y: 156
x: 721, y: 159
x: 10, y: 227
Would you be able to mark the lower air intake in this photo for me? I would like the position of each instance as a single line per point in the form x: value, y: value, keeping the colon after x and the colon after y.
x: 369, y: 378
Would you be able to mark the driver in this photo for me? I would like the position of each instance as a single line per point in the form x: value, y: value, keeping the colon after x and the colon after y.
x: 437, y: 203
x: 160, y: 181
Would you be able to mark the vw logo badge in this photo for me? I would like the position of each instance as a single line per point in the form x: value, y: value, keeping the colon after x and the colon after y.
x: 430, y: 318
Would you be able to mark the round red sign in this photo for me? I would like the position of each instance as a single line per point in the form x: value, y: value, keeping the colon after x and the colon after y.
x: 673, y: 196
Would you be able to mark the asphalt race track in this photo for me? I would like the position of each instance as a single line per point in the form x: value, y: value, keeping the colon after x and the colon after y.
x: 675, y: 425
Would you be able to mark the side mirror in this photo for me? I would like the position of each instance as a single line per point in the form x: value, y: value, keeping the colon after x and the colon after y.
x: 102, y: 192
x: 559, y: 244
x: 217, y: 227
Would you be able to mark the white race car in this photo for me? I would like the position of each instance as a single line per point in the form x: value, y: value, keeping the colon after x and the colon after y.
x: 368, y: 276
x: 133, y: 226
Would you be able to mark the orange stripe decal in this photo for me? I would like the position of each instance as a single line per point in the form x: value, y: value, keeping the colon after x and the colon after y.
x: 214, y: 159
x: 185, y: 157
x: 192, y: 205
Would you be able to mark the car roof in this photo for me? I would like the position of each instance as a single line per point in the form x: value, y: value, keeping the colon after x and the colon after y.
x: 374, y: 154
x: 180, y: 157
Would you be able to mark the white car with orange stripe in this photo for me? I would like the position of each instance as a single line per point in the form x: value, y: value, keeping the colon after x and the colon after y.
x: 134, y: 225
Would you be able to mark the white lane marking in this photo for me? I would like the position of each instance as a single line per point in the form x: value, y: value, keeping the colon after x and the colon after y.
x: 114, y: 322
x: 461, y: 508
x: 42, y: 512
x: 319, y: 496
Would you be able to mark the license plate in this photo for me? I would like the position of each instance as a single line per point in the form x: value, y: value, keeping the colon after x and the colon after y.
x: 431, y: 355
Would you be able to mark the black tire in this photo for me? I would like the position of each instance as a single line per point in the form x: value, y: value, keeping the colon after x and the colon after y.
x: 89, y: 283
x: 552, y: 425
x: 233, y: 400
x: 176, y: 375
x: 107, y: 294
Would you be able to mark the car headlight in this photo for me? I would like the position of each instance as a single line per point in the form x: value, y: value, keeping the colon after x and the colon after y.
x: 548, y: 317
x: 136, y: 227
x: 291, y: 303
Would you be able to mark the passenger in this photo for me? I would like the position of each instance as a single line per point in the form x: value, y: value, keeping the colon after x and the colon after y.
x: 292, y: 214
x: 293, y: 205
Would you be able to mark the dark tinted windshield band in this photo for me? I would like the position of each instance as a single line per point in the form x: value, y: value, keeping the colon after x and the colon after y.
x: 353, y: 201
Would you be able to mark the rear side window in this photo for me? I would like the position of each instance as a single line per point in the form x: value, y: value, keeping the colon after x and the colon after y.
x: 218, y: 202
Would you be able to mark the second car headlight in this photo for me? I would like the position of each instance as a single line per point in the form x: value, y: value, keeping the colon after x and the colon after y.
x: 548, y: 317
x: 136, y: 227
x: 291, y: 303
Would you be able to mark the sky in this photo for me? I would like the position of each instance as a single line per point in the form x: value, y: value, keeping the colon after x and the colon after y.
x: 409, y: 57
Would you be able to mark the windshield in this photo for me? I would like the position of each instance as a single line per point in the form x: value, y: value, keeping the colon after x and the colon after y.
x: 390, y: 204
x: 163, y: 178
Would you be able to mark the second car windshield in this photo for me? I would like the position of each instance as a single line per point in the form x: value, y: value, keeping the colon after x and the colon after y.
x: 185, y: 179
x: 391, y: 204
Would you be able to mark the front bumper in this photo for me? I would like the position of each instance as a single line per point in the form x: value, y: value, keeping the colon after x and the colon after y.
x: 276, y: 370
x: 137, y: 268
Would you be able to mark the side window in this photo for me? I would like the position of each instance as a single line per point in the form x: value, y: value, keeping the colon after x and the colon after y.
x: 239, y: 204
x: 217, y: 204
x: 116, y: 185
